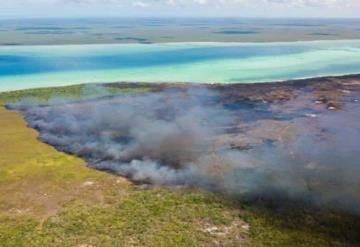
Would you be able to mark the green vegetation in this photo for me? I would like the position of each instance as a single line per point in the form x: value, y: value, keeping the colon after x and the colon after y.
x: 300, y: 226
x: 41, y: 93
x: 154, y: 217
x: 82, y: 90
x: 48, y: 198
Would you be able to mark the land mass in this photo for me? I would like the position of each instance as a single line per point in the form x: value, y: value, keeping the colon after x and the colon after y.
x: 327, y: 89
x: 51, y: 198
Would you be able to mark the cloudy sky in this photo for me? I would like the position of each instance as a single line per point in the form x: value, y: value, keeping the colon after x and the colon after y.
x: 159, y: 8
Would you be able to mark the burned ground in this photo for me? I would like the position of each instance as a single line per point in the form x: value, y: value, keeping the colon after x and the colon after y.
x: 49, y: 198
x: 292, y: 141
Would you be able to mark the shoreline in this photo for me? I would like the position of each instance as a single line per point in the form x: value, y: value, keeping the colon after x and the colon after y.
x: 129, y: 84
x: 327, y: 92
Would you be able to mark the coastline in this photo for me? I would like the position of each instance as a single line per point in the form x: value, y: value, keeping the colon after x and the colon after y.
x: 328, y: 92
x: 298, y: 82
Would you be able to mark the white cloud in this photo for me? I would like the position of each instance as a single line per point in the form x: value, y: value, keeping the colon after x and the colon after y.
x: 201, y: 1
x: 308, y: 2
x: 171, y: 2
x: 140, y: 4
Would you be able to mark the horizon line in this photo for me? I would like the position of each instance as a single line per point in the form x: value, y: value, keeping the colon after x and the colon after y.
x: 185, y: 17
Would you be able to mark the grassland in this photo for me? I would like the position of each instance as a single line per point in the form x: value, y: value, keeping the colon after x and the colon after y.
x: 48, y: 198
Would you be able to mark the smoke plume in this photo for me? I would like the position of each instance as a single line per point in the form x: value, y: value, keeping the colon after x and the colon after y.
x: 194, y: 137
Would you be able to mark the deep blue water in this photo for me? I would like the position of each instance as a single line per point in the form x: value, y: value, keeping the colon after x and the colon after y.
x: 22, y: 64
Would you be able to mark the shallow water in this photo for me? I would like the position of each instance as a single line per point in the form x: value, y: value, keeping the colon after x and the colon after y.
x: 41, y: 66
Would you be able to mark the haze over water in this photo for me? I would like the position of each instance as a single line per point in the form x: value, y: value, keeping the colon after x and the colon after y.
x: 40, y: 66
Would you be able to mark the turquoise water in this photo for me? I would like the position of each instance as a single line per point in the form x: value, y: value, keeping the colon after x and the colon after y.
x: 42, y: 66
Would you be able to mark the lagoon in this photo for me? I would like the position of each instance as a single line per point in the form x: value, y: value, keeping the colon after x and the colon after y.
x: 43, y: 66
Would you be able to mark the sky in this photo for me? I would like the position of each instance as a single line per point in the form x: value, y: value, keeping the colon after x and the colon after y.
x: 180, y: 8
